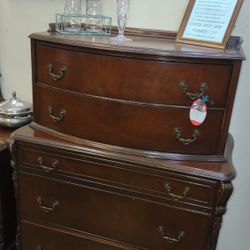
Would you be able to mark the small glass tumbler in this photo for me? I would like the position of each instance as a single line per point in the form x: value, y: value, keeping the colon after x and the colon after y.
x: 72, y: 11
x: 94, y: 12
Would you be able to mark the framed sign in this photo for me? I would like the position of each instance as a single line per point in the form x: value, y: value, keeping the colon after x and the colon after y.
x: 209, y: 23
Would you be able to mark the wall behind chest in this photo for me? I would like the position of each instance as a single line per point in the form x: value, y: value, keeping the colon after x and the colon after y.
x: 18, y: 19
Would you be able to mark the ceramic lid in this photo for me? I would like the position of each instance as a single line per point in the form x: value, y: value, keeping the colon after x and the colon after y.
x: 15, y: 106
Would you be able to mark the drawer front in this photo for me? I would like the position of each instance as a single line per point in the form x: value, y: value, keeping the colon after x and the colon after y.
x: 130, y: 79
x: 174, y: 189
x: 125, y: 124
x: 123, y: 218
x: 39, y: 237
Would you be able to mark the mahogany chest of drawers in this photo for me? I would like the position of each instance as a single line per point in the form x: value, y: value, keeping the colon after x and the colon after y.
x: 112, y: 160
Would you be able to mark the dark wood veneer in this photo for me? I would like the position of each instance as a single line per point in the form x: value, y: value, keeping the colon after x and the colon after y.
x: 108, y: 172
x: 132, y: 79
x: 134, y: 125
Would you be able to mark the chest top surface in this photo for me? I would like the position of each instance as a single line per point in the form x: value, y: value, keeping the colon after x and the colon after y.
x: 158, y: 46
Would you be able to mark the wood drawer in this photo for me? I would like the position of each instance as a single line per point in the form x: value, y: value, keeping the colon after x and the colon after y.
x: 35, y: 236
x: 124, y: 124
x: 187, y: 191
x: 123, y: 218
x: 131, y: 79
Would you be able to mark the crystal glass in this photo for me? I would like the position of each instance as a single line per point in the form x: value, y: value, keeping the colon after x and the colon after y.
x: 72, y: 10
x: 94, y: 13
x: 122, y: 18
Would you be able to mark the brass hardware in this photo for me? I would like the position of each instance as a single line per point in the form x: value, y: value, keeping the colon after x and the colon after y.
x: 193, y: 96
x: 39, y: 247
x: 177, y: 197
x: 184, y: 141
x: 170, y: 239
x: 47, y: 169
x: 55, y: 77
x: 58, y: 118
x: 45, y: 208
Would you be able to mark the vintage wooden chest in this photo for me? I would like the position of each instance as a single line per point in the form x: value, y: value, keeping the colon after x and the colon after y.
x: 112, y: 160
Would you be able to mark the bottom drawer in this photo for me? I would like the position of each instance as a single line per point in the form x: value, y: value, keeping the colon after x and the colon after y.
x: 121, y: 217
x: 38, y: 237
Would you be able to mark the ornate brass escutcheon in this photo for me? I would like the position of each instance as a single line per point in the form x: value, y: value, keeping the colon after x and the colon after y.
x: 184, y: 141
x: 47, y: 208
x: 177, y: 197
x: 193, y: 96
x: 170, y: 239
x: 58, y: 76
x: 58, y: 118
x: 45, y: 168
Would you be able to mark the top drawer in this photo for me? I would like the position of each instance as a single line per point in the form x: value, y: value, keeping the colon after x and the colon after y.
x: 130, y: 79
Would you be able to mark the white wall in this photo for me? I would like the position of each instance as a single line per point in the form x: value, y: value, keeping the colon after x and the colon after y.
x: 19, y: 18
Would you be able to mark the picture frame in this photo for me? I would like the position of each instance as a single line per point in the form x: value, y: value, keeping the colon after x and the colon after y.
x: 209, y: 23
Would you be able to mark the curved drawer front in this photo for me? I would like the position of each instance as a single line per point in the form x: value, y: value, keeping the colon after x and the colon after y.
x: 123, y: 218
x: 125, y: 124
x: 42, y: 237
x: 130, y: 79
x: 118, y: 175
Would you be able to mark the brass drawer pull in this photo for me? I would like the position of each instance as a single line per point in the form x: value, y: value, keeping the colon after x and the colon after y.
x: 177, y: 197
x: 170, y: 239
x: 56, y: 77
x: 46, y: 208
x: 193, y: 96
x: 58, y: 118
x: 45, y: 168
x: 184, y: 141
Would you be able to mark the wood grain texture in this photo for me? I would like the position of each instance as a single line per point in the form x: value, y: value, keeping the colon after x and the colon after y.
x: 161, y: 47
x: 102, y: 158
x: 137, y: 80
x: 124, y: 124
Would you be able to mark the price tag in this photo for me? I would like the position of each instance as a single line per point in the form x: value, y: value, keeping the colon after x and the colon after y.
x: 198, y: 112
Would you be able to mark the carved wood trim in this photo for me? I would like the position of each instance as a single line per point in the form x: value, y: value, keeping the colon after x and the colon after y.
x: 225, y: 190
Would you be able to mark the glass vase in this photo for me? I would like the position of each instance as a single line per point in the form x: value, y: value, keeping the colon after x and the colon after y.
x: 122, y: 18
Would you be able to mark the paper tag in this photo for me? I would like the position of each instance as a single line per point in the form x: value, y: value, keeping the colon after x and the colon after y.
x: 198, y: 112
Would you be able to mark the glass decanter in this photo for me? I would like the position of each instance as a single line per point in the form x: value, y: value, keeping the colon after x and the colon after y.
x: 122, y: 18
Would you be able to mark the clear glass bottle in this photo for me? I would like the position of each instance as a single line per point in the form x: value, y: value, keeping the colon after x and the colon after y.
x: 72, y: 11
x: 94, y: 11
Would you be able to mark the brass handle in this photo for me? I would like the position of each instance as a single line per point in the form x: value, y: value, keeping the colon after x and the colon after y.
x: 184, y: 141
x: 177, y: 197
x: 193, y: 96
x: 58, y: 118
x: 170, y: 239
x: 45, y: 168
x: 46, y: 208
x: 58, y: 76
